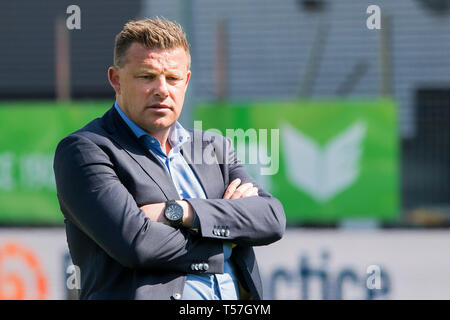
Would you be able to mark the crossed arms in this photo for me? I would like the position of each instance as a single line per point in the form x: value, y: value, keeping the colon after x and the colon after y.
x: 94, y: 199
x: 234, y: 190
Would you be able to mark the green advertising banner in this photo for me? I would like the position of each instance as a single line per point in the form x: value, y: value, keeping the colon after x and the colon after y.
x: 326, y: 161
x: 29, y: 134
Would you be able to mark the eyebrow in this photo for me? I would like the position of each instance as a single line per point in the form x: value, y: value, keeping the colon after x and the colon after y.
x: 153, y: 71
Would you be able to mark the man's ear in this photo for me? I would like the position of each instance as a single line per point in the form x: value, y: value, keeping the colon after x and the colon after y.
x: 188, y: 76
x: 113, y: 77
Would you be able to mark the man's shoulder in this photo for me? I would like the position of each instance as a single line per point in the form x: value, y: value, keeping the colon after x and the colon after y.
x: 206, y: 135
x: 94, y: 132
x: 206, y: 139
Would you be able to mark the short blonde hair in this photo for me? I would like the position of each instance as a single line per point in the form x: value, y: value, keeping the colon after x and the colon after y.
x: 155, y: 33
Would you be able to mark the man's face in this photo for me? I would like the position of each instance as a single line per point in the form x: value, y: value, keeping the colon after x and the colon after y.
x: 150, y: 87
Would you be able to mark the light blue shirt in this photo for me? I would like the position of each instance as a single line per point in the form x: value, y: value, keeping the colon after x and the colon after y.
x: 198, y: 286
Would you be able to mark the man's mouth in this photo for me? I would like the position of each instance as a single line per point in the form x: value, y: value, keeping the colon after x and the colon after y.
x: 159, y: 106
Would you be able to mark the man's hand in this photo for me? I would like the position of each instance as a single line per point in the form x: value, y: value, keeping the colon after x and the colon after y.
x: 155, y: 212
x: 234, y: 191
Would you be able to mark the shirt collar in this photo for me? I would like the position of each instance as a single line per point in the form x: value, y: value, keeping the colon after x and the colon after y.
x: 177, y: 134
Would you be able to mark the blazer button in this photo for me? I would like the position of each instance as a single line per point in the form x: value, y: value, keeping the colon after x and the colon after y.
x: 205, y: 266
x: 200, y: 266
x: 193, y: 266
x: 177, y: 296
x: 227, y: 233
x: 222, y: 232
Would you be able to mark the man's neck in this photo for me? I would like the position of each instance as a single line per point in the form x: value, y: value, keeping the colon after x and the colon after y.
x: 166, y: 147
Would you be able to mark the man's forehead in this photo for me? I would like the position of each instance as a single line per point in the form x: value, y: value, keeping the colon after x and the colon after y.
x: 169, y: 58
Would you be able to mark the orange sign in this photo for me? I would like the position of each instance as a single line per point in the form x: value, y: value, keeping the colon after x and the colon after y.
x: 13, y: 285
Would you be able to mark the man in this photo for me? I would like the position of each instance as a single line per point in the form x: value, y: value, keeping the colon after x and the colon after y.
x: 145, y: 219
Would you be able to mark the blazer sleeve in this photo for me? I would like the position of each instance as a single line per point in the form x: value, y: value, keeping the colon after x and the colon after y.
x: 252, y: 221
x: 93, y: 198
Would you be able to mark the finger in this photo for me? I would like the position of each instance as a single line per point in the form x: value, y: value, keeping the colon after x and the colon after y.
x: 250, y: 192
x: 231, y: 188
x: 239, y: 191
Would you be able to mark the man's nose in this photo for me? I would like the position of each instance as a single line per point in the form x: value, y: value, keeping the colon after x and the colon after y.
x: 161, y: 89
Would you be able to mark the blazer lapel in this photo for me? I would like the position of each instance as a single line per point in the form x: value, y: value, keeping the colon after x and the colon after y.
x: 125, y: 138
x: 208, y: 174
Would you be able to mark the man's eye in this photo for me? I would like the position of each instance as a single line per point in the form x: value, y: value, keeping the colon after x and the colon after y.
x: 172, y: 78
x: 148, y: 77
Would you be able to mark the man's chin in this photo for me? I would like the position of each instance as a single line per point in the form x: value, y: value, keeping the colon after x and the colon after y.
x: 159, y: 125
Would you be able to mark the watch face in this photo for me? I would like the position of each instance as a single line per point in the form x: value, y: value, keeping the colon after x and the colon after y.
x: 174, y: 212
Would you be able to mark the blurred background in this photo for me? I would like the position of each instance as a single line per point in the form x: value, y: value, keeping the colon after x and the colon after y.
x: 344, y: 111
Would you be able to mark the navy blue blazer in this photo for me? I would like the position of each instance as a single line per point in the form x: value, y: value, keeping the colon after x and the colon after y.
x: 103, y: 175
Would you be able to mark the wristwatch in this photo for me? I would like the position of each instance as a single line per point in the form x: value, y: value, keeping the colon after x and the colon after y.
x: 173, y: 213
